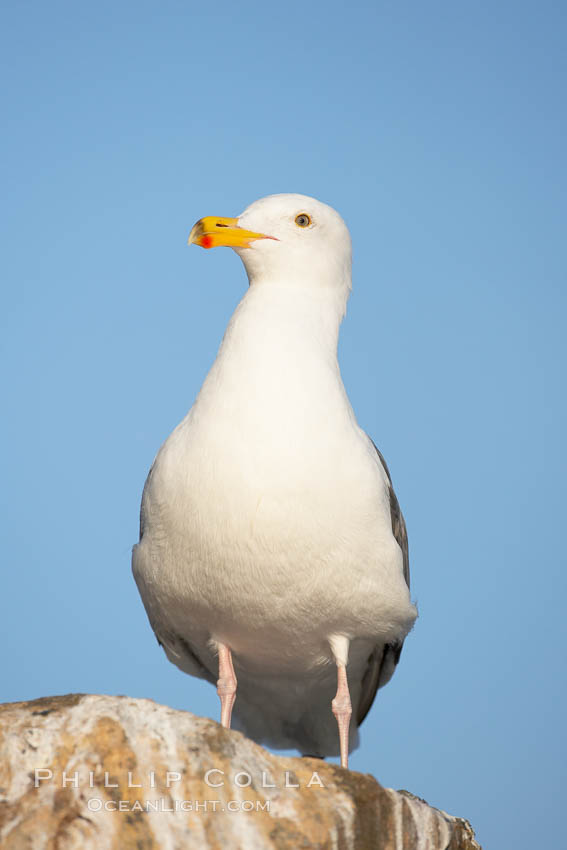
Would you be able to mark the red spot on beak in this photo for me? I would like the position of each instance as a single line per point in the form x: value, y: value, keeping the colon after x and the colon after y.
x: 207, y: 241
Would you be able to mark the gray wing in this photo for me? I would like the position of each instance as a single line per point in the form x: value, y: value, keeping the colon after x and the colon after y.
x: 383, y: 661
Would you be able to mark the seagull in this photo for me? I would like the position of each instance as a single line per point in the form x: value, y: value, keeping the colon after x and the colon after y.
x: 273, y: 554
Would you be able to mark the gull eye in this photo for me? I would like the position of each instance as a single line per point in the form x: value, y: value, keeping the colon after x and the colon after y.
x: 302, y: 220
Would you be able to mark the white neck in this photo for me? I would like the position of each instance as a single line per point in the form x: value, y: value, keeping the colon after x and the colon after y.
x: 280, y: 345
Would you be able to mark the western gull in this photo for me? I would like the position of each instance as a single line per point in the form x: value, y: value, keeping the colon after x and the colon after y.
x: 273, y: 555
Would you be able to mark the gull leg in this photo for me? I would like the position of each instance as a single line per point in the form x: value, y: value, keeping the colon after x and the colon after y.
x: 341, y: 705
x: 342, y: 709
x: 226, y: 684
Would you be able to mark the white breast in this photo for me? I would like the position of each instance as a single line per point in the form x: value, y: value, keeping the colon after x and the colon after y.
x: 268, y: 501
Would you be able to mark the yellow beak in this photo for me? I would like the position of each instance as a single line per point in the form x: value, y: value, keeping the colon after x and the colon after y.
x: 212, y: 232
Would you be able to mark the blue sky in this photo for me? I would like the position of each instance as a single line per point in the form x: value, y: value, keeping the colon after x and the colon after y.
x: 438, y: 131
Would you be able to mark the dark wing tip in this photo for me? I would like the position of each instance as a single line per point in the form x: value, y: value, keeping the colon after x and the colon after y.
x: 383, y: 660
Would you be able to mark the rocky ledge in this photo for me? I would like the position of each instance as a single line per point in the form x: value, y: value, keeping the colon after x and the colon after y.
x: 82, y: 772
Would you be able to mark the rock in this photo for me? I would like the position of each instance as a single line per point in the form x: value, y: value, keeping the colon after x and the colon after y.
x: 72, y: 767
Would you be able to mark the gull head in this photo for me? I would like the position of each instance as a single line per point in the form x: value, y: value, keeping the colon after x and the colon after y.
x: 290, y: 240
